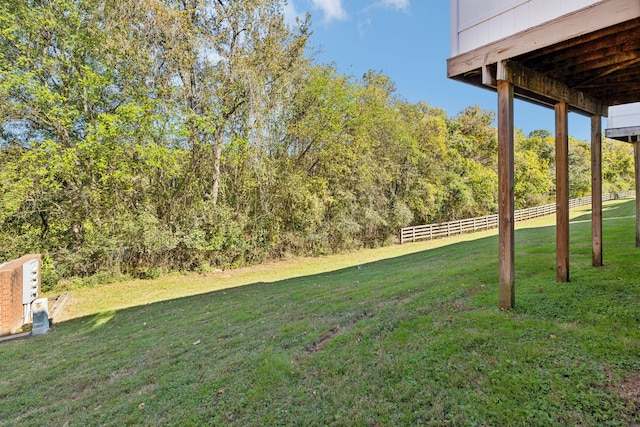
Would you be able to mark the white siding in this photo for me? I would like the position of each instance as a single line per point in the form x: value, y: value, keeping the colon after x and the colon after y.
x: 622, y: 116
x: 479, y: 22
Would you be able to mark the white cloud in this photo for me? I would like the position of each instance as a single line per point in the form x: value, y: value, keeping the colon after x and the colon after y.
x: 402, y: 5
x: 363, y: 27
x: 333, y: 9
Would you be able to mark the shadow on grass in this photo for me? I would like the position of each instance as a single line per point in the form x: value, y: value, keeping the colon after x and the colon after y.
x: 470, y: 264
x: 475, y: 259
x: 621, y: 209
x: 416, y: 339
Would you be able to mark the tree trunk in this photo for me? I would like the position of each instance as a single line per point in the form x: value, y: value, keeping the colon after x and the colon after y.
x: 217, y: 155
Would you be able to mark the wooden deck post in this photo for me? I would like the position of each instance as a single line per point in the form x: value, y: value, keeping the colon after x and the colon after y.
x: 596, y: 191
x: 562, y: 192
x: 636, y: 161
x: 505, y: 194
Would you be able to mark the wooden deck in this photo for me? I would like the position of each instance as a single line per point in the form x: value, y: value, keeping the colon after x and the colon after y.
x: 583, y: 61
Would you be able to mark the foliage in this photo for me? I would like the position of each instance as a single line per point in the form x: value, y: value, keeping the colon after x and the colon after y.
x: 146, y: 136
x: 617, y: 166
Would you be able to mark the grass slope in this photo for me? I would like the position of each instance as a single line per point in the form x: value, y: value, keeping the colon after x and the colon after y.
x: 415, y: 339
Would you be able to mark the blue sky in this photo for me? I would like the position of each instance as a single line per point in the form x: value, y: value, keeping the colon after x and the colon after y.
x: 408, y: 40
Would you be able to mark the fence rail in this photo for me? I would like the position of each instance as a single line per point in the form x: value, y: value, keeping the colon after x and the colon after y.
x: 471, y: 225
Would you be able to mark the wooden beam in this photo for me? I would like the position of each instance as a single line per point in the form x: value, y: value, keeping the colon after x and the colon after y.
x: 597, y: 71
x: 539, y: 84
x: 562, y: 192
x: 506, y: 216
x: 636, y: 157
x: 598, y: 16
x: 623, y: 133
x: 489, y: 76
x: 621, y: 38
x: 596, y: 191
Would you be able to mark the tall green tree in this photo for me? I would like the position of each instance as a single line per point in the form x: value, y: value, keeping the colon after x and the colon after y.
x: 226, y: 62
x: 140, y: 135
x: 617, y: 166
x: 53, y: 87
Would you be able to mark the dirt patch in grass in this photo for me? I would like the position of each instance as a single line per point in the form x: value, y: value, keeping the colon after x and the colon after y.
x: 630, y: 388
x: 629, y: 391
x: 335, y: 331
x: 324, y: 339
x: 342, y: 328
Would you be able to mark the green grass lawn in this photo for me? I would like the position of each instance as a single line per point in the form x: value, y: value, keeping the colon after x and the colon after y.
x: 408, y: 335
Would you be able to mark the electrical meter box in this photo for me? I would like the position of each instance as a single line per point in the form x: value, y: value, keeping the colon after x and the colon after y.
x: 30, y: 272
x: 40, y: 311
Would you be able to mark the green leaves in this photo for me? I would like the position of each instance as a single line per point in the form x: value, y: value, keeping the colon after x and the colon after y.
x: 186, y: 134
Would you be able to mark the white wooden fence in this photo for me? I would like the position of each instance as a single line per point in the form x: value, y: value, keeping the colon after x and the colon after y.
x: 471, y: 225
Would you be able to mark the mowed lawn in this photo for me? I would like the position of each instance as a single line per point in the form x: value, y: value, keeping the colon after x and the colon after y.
x: 407, y: 335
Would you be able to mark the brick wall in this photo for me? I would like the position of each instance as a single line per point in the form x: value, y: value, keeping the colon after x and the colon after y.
x: 11, y: 310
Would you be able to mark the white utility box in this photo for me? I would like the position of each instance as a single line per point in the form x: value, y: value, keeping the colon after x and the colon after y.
x: 40, y: 311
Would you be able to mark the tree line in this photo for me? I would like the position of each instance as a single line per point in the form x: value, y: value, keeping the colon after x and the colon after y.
x: 140, y: 136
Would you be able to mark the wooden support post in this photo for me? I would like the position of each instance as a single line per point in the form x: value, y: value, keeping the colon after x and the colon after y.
x: 505, y: 195
x: 562, y: 192
x: 596, y: 190
x: 636, y: 160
